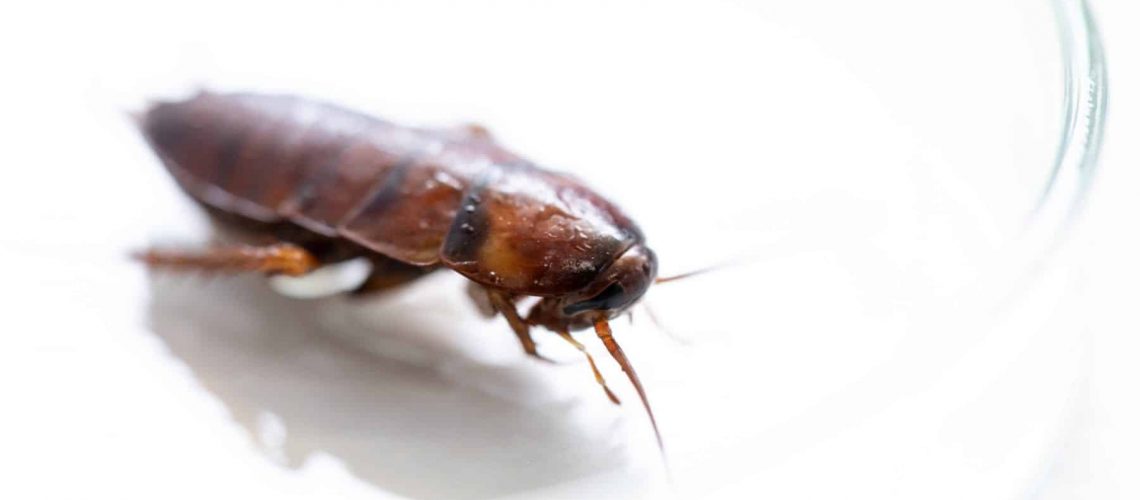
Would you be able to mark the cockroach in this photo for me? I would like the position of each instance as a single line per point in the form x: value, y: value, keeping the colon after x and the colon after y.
x: 323, y: 184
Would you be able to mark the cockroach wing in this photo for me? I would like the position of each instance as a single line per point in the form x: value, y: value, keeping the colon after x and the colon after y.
x: 535, y: 232
x: 408, y: 216
x: 272, y: 158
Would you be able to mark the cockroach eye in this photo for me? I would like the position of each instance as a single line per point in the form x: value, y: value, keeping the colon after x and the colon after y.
x: 613, y: 297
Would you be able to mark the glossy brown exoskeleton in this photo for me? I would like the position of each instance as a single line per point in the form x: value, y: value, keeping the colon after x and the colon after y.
x: 328, y: 184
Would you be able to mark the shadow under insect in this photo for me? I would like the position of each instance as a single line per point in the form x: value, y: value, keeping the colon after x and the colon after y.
x: 414, y: 429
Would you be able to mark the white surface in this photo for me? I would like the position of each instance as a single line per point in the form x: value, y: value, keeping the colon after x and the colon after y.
x: 873, y: 166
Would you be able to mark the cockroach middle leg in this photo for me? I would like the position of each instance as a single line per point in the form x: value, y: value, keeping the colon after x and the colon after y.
x: 593, y: 366
x: 506, y: 307
x: 278, y: 258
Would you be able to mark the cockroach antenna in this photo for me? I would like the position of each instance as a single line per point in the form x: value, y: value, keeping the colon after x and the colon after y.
x: 727, y: 264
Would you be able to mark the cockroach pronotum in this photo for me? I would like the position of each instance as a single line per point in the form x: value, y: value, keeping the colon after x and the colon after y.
x: 324, y: 184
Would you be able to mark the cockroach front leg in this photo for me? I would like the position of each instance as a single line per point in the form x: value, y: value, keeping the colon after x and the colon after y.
x: 278, y: 258
x: 502, y: 303
x: 593, y: 366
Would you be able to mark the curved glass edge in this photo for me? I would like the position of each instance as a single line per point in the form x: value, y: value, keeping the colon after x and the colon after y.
x: 1074, y: 165
x: 1082, y: 128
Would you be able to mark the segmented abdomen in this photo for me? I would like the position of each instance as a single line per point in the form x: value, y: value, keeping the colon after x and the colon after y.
x: 341, y: 174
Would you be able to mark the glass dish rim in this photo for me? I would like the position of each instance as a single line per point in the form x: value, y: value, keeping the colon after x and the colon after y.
x: 1082, y: 125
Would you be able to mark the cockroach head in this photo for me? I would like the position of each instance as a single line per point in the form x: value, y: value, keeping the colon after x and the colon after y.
x: 616, y: 288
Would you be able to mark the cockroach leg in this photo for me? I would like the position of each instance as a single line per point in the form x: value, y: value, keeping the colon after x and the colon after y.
x: 278, y: 258
x: 504, y: 305
x: 602, y: 328
x: 593, y: 366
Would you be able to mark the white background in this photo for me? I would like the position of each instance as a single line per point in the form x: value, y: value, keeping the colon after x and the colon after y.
x: 874, y: 162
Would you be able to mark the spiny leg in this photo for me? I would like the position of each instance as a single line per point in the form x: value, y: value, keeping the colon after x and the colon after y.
x: 593, y: 366
x: 503, y: 304
x: 602, y: 328
x: 278, y: 258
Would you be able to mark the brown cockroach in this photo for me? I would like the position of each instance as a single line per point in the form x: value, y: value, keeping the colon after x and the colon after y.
x: 326, y: 184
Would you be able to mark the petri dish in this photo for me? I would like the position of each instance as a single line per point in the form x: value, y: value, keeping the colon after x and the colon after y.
x: 889, y: 178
